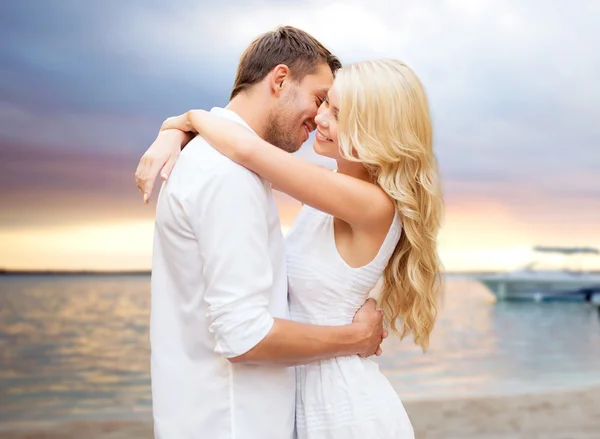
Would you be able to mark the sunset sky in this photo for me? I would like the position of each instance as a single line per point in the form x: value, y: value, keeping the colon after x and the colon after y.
x: 84, y: 86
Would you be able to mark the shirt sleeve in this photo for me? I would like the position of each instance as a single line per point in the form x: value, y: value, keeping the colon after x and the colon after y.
x: 229, y: 218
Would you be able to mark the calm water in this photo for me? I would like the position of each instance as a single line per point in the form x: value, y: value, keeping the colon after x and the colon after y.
x: 77, y: 347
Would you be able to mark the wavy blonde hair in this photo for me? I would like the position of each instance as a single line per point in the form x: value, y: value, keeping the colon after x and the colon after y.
x: 384, y: 123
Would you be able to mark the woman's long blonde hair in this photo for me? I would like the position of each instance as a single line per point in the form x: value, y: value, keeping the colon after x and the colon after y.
x: 384, y: 123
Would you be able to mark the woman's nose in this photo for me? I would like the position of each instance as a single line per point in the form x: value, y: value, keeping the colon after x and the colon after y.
x: 320, y: 120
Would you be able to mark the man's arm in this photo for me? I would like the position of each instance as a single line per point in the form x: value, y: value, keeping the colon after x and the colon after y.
x: 231, y: 228
x: 291, y: 343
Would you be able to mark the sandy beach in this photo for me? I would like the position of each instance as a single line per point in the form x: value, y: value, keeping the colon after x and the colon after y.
x: 573, y: 414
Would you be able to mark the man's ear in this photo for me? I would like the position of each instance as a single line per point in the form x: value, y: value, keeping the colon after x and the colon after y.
x: 279, y: 77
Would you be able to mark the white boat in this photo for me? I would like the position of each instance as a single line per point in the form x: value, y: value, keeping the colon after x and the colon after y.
x: 533, y: 284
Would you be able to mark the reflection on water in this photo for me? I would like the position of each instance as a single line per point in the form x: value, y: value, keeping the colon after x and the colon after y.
x: 73, y: 346
x: 77, y: 346
x: 483, y: 347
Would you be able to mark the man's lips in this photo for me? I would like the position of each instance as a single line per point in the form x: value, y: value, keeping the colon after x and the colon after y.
x: 307, y: 131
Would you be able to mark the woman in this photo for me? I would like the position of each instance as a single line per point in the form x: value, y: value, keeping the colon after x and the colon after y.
x: 375, y: 123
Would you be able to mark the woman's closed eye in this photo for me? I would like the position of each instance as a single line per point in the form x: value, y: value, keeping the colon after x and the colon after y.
x: 326, y: 102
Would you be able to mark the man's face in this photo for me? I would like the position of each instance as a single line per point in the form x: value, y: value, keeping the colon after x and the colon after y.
x: 293, y: 119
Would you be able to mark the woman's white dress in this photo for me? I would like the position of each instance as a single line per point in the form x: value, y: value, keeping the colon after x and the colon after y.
x: 345, y: 397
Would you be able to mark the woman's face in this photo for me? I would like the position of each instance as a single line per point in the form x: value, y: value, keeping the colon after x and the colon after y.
x: 326, y: 140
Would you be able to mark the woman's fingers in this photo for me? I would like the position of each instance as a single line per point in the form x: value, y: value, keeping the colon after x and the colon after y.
x: 166, y: 170
x: 140, y: 174
x: 145, y: 175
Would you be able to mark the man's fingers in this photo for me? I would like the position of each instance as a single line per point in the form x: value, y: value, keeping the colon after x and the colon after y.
x: 371, y: 302
x: 385, y: 334
x: 379, y: 351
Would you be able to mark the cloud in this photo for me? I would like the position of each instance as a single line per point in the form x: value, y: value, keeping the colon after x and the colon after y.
x: 512, y: 86
x: 66, y: 188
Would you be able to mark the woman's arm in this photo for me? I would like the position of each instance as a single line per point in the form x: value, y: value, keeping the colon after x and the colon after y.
x: 356, y: 202
x: 161, y: 156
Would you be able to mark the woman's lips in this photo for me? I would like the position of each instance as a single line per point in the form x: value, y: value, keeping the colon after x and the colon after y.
x: 321, y: 137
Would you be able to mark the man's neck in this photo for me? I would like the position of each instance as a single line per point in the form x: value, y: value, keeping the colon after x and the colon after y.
x: 252, y: 111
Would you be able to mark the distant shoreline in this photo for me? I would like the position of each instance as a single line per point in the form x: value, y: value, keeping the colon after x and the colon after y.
x: 73, y: 273
x: 4, y: 272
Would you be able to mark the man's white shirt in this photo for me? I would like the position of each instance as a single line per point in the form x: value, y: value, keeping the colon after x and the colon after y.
x: 218, y: 280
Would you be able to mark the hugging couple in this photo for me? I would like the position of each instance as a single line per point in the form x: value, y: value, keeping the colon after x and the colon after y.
x: 254, y: 336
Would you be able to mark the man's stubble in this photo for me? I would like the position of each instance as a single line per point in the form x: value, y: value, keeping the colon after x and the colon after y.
x: 282, y: 128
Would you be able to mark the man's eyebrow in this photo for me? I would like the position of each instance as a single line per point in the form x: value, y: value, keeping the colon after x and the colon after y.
x: 323, y: 91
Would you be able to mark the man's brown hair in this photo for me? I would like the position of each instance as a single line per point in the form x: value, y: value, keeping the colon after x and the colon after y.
x: 298, y: 50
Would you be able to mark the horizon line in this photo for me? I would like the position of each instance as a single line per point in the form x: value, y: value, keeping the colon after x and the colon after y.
x: 8, y: 272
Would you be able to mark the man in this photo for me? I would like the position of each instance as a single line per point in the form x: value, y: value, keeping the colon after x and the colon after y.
x: 219, y: 318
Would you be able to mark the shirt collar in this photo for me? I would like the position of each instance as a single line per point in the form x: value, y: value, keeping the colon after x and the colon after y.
x: 231, y: 115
